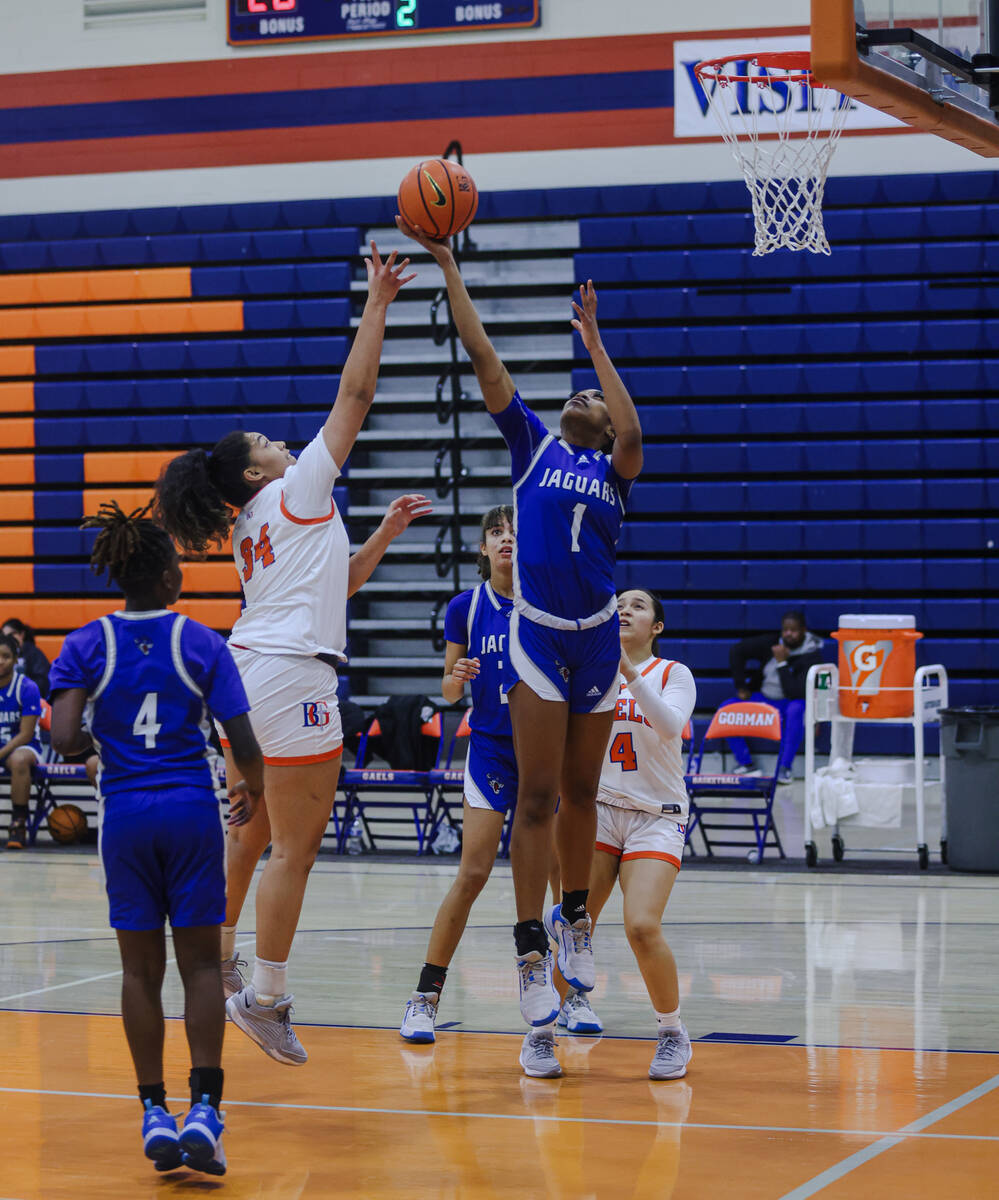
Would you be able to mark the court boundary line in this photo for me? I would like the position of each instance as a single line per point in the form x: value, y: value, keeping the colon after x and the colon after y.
x: 907, y: 1132
x: 888, y: 1141
x: 615, y: 1037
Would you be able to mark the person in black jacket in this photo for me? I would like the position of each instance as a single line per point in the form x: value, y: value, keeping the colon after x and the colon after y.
x: 774, y: 673
x: 30, y: 661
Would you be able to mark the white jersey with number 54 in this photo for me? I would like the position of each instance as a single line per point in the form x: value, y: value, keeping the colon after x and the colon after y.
x: 292, y: 553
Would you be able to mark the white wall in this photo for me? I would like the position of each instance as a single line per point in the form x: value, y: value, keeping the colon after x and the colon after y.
x: 48, y: 35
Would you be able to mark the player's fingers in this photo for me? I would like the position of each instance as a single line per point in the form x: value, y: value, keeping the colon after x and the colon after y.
x: 577, y: 325
x: 407, y: 279
x: 390, y: 261
x: 375, y: 256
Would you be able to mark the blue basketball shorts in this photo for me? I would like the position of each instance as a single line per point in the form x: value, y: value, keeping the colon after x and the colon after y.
x: 490, y: 772
x: 575, y: 665
x: 163, y: 854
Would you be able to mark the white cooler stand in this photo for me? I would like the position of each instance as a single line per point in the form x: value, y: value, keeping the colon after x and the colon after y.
x: 929, y: 695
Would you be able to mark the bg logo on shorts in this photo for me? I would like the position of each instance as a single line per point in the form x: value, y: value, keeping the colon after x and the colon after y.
x: 315, y: 714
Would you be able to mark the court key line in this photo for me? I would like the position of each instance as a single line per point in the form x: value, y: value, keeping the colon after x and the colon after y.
x: 910, y: 1131
x: 888, y: 1141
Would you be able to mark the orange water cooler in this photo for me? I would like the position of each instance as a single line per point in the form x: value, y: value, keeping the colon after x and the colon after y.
x: 877, y: 665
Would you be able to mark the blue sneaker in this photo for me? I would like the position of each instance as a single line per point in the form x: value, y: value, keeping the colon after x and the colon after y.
x: 201, y: 1139
x: 159, y: 1137
x: 575, y: 948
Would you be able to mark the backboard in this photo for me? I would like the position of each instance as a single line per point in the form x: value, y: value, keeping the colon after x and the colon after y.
x: 933, y: 64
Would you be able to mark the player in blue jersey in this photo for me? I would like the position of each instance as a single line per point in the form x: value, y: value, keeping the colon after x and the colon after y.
x: 476, y: 632
x: 570, y: 492
x: 144, y: 682
x: 20, y: 707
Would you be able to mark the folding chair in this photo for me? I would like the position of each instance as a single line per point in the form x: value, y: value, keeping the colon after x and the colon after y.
x: 742, y: 718
x: 51, y: 769
x: 448, y: 780
x: 364, y: 791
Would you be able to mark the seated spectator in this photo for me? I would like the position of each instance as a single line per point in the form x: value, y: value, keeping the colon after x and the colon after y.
x: 778, y: 678
x: 20, y: 750
x: 30, y: 660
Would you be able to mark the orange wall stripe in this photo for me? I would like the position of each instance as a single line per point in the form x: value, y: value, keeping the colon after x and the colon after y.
x: 211, y: 577
x: 121, y: 320
x: 15, y: 468
x: 49, y: 646
x: 17, y: 360
x: 79, y: 287
x: 17, y: 506
x: 141, y: 466
x: 128, y: 498
x: 63, y: 615
x: 18, y: 541
x: 17, y: 397
x: 17, y: 577
x: 390, y: 139
x: 16, y: 433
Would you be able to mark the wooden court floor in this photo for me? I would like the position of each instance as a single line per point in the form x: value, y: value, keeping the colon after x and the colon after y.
x: 847, y: 1045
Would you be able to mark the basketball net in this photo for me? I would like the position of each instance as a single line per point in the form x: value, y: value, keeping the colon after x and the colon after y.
x: 782, y: 126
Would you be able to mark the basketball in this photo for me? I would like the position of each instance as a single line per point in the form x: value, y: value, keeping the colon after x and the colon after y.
x: 438, y: 197
x: 67, y: 824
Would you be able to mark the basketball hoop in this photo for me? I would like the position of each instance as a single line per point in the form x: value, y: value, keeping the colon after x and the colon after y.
x: 782, y: 125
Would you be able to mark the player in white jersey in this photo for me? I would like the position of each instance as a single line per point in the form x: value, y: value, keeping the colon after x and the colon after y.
x: 293, y: 557
x: 641, y: 821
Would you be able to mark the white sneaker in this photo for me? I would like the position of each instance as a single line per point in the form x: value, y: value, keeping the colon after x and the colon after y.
x: 785, y: 777
x: 268, y: 1025
x: 418, y: 1021
x: 673, y: 1052
x: 748, y: 769
x: 232, y: 975
x: 575, y: 948
x: 577, y: 1016
x: 537, y: 1055
x: 539, y: 1003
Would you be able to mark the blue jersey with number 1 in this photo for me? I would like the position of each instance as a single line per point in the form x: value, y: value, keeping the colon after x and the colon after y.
x: 151, y: 680
x: 568, y: 504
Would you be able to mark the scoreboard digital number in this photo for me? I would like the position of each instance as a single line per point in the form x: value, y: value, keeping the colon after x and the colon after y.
x: 261, y: 22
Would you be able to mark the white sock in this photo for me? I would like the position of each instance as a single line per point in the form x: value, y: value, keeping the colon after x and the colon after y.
x: 668, y: 1022
x: 228, y: 942
x: 269, y: 981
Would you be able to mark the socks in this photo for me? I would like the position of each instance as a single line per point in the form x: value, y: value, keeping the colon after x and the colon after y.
x: 228, y: 942
x: 668, y: 1022
x: 269, y: 981
x: 528, y: 936
x: 156, y: 1092
x: 432, y: 979
x: 574, y: 905
x: 206, y: 1081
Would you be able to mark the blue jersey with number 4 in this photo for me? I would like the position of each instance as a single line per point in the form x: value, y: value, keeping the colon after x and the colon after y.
x: 151, y: 680
x: 568, y: 506
x: 480, y: 620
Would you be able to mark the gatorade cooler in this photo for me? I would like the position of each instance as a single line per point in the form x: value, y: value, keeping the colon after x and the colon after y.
x: 877, y: 664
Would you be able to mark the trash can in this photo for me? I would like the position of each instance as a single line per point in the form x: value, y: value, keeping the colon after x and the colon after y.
x: 877, y: 664
x: 970, y: 742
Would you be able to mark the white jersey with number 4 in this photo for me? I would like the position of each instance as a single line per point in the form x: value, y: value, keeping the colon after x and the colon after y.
x: 292, y: 553
x: 643, y: 768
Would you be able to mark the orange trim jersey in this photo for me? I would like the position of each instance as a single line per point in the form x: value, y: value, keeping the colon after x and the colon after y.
x: 643, y: 768
x: 292, y: 553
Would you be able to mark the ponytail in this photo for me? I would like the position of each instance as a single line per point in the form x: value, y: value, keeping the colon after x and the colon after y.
x: 196, y: 492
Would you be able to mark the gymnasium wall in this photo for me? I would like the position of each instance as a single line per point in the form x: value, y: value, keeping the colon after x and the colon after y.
x: 166, y: 112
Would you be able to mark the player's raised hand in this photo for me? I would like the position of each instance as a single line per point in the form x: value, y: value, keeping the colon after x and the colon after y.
x: 403, y: 510
x: 585, y: 320
x: 385, y: 278
x: 242, y: 803
x: 439, y: 249
x: 627, y: 667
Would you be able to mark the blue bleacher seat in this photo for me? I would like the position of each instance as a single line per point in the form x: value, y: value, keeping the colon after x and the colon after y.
x: 58, y: 468
x: 832, y: 416
x: 777, y: 496
x: 895, y: 535
x: 951, y: 494
x: 769, y: 458
x: 887, y: 416
x: 773, y: 537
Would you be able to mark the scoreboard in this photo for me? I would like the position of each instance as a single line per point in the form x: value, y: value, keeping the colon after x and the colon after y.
x: 261, y: 22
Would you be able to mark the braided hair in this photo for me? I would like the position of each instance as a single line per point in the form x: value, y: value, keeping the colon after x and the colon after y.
x: 196, y: 492
x: 131, y: 548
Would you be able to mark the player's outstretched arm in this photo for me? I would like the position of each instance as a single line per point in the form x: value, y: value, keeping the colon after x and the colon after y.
x: 494, y: 379
x: 627, y: 453
x: 360, y: 372
x: 398, y: 515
